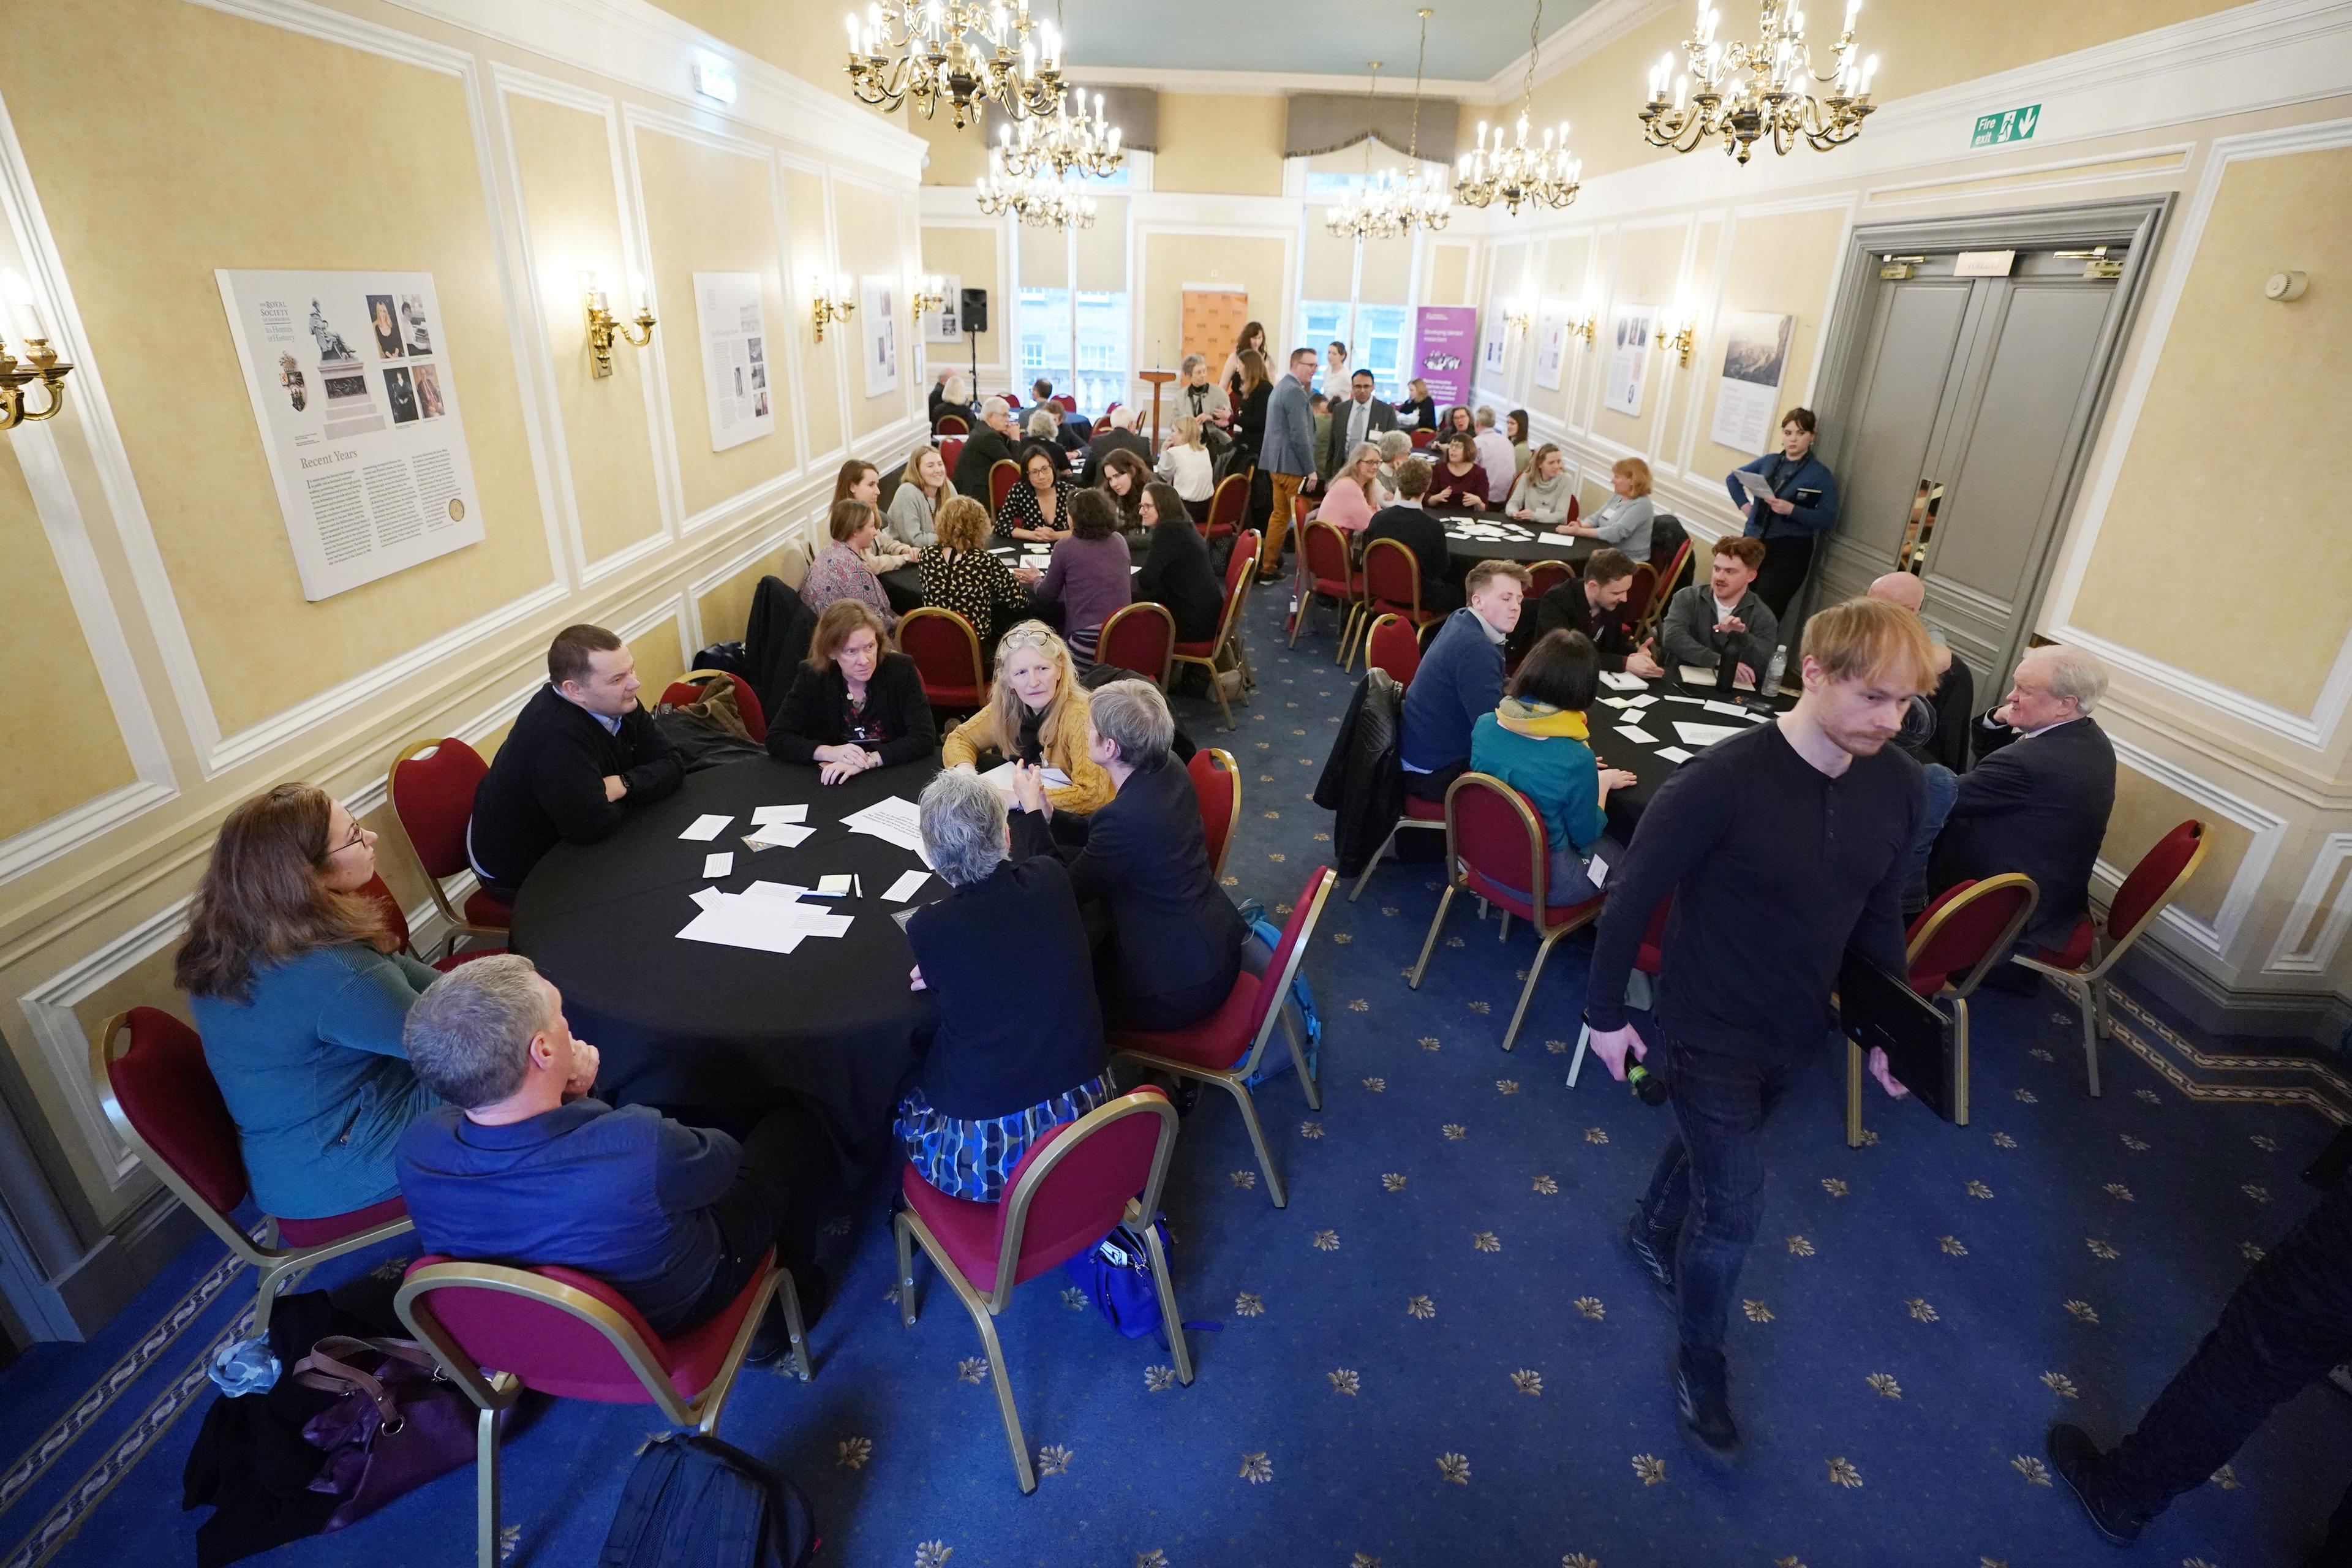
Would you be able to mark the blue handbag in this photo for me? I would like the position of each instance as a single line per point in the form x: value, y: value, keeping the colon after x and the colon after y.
x: 1301, y: 997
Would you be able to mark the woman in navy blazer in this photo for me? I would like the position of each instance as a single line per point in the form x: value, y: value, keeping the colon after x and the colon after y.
x: 1802, y: 507
x: 1176, y: 938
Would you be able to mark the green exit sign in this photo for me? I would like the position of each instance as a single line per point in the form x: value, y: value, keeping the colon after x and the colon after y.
x: 2007, y: 125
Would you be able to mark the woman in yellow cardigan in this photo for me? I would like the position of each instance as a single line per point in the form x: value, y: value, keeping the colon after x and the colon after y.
x: 1036, y: 712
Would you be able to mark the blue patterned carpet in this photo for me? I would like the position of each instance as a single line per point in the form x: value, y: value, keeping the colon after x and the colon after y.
x: 1437, y: 1355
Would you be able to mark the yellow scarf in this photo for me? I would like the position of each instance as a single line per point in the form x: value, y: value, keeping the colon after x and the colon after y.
x: 1539, y: 721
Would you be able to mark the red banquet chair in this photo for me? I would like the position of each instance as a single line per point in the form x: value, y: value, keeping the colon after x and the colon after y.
x: 1069, y: 405
x: 1225, y: 648
x: 946, y: 652
x: 1495, y: 846
x: 1648, y: 959
x: 1225, y: 1047
x: 1641, y: 599
x: 559, y: 1331
x: 1392, y: 647
x: 1423, y: 438
x: 687, y: 687
x: 951, y: 453
x: 1392, y: 586
x: 1217, y: 781
x: 1141, y: 637
x: 1228, y: 505
x: 1325, y: 572
x: 1543, y: 577
x: 2081, y: 968
x: 379, y: 893
x: 157, y: 1090
x: 1070, y: 1189
x: 1947, y: 951
x: 952, y: 425
x: 431, y: 792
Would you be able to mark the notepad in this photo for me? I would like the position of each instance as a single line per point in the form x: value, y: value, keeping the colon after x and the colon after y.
x: 1698, y: 675
x: 1000, y: 776
x: 707, y: 828
x: 766, y: 815
x: 834, y: 886
x: 1673, y: 753
x: 904, y: 888
x: 720, y: 865
x: 1618, y: 680
x: 1734, y: 709
x: 777, y: 836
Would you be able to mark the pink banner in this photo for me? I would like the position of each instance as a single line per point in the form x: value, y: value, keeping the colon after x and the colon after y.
x: 1445, y: 351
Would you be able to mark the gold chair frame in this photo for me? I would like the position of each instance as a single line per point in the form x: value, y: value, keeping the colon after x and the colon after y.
x: 1955, y: 993
x: 1344, y: 603
x: 1458, y: 881
x: 1359, y: 624
x: 494, y: 1391
x: 2087, y: 988
x: 1228, y: 640
x: 909, y: 1230
x: 970, y: 638
x: 1235, y: 1080
x: 1234, y: 818
x: 1141, y: 608
x: 459, y: 927
x: 279, y: 1265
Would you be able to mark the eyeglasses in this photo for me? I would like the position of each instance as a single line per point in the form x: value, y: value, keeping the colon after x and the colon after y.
x: 1041, y: 638
x: 359, y: 836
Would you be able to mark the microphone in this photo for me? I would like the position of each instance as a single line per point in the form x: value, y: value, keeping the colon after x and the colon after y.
x: 1653, y: 1091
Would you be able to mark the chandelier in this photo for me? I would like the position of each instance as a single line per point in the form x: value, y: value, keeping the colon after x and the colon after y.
x: 1065, y: 140
x: 1040, y: 200
x: 960, y: 51
x: 1747, y: 92
x: 1518, y: 174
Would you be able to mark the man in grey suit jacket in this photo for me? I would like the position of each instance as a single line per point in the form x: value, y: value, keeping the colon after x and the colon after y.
x: 1288, y: 455
x: 1721, y: 615
x: 1357, y: 419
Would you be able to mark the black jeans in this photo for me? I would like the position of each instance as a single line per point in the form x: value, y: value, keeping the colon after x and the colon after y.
x: 1787, y: 559
x: 1432, y: 785
x: 2282, y: 1330
x: 773, y: 1203
x: 1707, y: 1191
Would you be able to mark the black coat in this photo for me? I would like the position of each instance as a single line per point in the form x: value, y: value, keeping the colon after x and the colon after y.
x: 1566, y: 609
x: 1363, y: 779
x: 1177, y: 573
x: 1936, y: 728
x: 776, y: 640
x: 546, y: 785
x: 982, y: 450
x: 815, y: 713
x: 1249, y: 421
x: 1172, y: 928
x: 2037, y: 804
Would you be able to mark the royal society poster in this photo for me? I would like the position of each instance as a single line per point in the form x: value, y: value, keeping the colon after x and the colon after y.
x: 349, y: 377
x: 734, y: 357
x: 1746, y: 398
x: 1629, y: 358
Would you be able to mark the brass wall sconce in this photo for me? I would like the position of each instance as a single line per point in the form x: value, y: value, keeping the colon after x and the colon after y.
x: 40, y: 363
x: 1516, y: 318
x: 930, y: 294
x: 824, y: 309
x: 1678, y: 335
x: 1581, y: 323
x: 602, y: 329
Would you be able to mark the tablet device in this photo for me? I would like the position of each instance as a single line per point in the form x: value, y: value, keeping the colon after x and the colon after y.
x: 1878, y: 1010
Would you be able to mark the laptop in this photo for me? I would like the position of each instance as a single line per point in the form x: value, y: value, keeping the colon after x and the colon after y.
x: 1878, y: 1010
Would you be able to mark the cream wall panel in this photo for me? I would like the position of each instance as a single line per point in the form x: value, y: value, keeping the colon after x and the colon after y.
x: 810, y: 247
x: 1648, y: 265
x: 1220, y: 143
x: 956, y: 157
x: 572, y: 216
x: 711, y: 207
x: 865, y: 223
x: 2273, y: 625
x: 60, y: 714
x: 2145, y: 810
x: 1685, y: 383
x: 803, y: 36
x: 1258, y: 264
x: 135, y: 204
x: 1330, y: 268
x: 1387, y: 276
x: 1781, y: 265
x: 1448, y: 279
x: 971, y: 255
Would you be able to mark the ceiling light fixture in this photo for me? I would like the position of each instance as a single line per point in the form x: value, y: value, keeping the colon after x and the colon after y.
x: 1520, y: 174
x: 921, y: 51
x: 1748, y: 92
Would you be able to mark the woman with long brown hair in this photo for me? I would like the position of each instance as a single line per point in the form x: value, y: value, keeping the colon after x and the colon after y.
x: 1251, y: 341
x: 294, y: 984
x: 1250, y: 405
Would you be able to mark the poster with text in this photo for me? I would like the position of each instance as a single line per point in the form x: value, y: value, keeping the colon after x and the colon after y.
x: 943, y: 323
x: 877, y: 329
x: 734, y: 357
x: 1630, y: 327
x: 350, y: 378
x: 1755, y: 357
x: 1443, y: 338
x: 1494, y: 343
x: 1552, y: 345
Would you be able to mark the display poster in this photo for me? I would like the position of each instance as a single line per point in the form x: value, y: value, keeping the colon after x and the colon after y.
x: 349, y: 373
x: 943, y: 323
x: 1754, y: 356
x: 1494, y: 342
x: 1630, y: 327
x: 734, y: 357
x: 1552, y: 345
x: 877, y: 329
x: 1442, y: 340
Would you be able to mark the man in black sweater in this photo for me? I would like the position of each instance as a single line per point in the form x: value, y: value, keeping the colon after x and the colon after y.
x: 1411, y: 526
x: 580, y: 752
x: 1780, y: 847
x: 990, y: 443
x: 1592, y: 604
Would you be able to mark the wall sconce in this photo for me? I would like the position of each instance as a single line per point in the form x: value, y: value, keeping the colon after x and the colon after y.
x: 602, y: 329
x: 1678, y: 335
x: 1580, y: 322
x: 1515, y: 316
x: 930, y: 294
x: 826, y: 309
x: 40, y: 363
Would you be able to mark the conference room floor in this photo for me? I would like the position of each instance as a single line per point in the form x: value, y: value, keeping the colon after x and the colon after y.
x: 1437, y: 1354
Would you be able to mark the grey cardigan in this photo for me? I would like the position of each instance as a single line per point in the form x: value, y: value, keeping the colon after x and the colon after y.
x: 1625, y: 523
x: 1687, y: 634
x: 1547, y: 502
x: 911, y: 516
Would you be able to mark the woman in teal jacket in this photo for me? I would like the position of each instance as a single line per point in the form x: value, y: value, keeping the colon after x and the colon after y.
x: 1536, y: 741
x: 295, y: 987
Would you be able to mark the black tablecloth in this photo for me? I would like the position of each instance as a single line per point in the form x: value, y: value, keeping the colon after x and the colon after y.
x: 904, y: 587
x: 1625, y: 805
x: 718, y: 1032
x: 1527, y: 545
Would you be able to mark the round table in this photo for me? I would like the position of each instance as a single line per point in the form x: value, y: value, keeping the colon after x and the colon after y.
x: 1676, y: 702
x: 721, y: 1033
x: 904, y: 586
x: 1527, y: 545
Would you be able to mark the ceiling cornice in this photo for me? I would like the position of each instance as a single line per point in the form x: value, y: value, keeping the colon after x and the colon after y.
x: 1602, y: 25
x: 1259, y: 84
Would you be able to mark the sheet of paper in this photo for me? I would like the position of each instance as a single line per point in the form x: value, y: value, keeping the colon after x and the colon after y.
x: 904, y: 888
x: 1673, y: 753
x: 835, y: 887
x: 1039, y: 561
x: 1000, y: 776
x: 777, y: 836
x: 1693, y: 701
x: 1617, y: 702
x: 710, y: 897
x: 1618, y: 680
x: 707, y: 828
x: 1636, y: 732
x: 785, y: 890
x: 1641, y: 702
x: 902, y: 916
x: 1733, y: 708
x: 1705, y: 735
x: 1752, y: 482
x: 720, y: 865
x: 723, y: 927
x: 1597, y: 870
x: 767, y: 813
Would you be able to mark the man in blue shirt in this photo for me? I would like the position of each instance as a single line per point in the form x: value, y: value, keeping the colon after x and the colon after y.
x: 1460, y: 677
x: 520, y: 1166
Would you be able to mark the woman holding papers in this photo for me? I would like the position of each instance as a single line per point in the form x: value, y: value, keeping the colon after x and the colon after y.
x: 1625, y: 520
x: 855, y: 704
x: 1790, y: 500
x: 1537, y: 742
x: 1036, y: 713
x: 1545, y: 492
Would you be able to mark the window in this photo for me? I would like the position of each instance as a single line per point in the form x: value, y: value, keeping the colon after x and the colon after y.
x: 1032, y: 353
x: 1323, y: 320
x: 1382, y: 343
x: 1045, y: 334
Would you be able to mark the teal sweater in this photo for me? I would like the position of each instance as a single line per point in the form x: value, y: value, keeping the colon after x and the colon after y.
x: 311, y: 1067
x: 1558, y: 773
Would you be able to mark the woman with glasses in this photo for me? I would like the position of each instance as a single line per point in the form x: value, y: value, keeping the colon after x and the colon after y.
x: 299, y: 991
x: 1037, y: 508
x: 1036, y: 713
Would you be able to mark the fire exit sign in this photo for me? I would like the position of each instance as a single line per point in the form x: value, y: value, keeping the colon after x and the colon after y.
x: 2007, y: 125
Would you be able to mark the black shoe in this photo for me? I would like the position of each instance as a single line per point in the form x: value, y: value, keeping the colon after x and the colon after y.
x: 2075, y: 1458
x: 1644, y: 1243
x: 1700, y: 1389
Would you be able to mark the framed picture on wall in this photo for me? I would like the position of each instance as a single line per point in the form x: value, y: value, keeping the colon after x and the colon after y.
x: 1755, y: 357
x: 1629, y: 329
x: 877, y: 329
x: 1551, y: 344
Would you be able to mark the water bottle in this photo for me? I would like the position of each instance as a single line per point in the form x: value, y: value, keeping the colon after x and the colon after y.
x: 1774, y: 670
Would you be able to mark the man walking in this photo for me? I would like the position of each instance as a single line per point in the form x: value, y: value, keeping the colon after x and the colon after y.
x: 1288, y: 455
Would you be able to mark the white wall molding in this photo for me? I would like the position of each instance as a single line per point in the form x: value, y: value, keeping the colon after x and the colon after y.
x: 2219, y: 937
x: 675, y: 606
x: 2010, y: 181
x: 1593, y: 29
x: 2291, y: 955
x: 1259, y: 84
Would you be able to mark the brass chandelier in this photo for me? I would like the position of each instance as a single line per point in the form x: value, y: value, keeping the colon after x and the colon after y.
x: 1069, y: 140
x: 967, y: 53
x: 1747, y: 92
x: 1518, y: 174
x: 1040, y: 200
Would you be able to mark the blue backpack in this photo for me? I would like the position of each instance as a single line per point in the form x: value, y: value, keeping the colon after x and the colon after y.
x: 1276, y: 1063
x: 696, y: 1502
